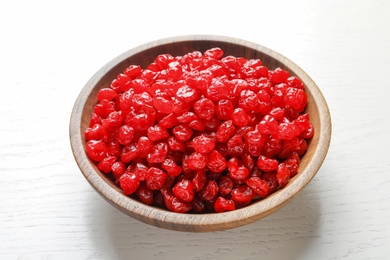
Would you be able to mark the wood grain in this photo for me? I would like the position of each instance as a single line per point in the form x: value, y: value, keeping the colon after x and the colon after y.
x: 317, y: 149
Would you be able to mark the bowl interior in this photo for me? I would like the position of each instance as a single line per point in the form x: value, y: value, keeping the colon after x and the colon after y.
x: 144, y: 55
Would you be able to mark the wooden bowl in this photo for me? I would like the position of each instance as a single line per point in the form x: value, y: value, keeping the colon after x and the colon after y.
x: 143, y: 55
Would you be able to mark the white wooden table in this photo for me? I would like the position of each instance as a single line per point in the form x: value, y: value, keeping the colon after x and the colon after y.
x: 49, y: 49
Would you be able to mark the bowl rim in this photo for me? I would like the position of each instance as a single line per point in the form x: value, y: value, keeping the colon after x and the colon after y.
x: 153, y: 215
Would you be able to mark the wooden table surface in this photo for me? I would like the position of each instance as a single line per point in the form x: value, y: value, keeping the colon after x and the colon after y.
x: 48, y: 51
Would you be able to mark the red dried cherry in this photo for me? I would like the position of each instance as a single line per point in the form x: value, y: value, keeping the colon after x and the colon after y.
x: 125, y: 134
x: 225, y: 184
x: 258, y: 186
x: 118, y: 168
x: 242, y: 194
x: 182, y: 132
x: 106, y: 93
x: 96, y: 149
x: 221, y: 204
x: 196, y: 161
x: 156, y: 133
x: 145, y: 146
x: 282, y: 175
x: 209, y: 191
x: 204, y: 108
x: 240, y: 117
x: 267, y: 164
x: 96, y: 132
x: 145, y: 195
x: 184, y: 190
x: 199, y: 180
x: 224, y: 109
x: 225, y: 131
x: 203, y: 144
x: 106, y: 164
x: 216, y: 162
x: 158, y: 153
x: 129, y: 183
x: 155, y: 178
x: 171, y: 167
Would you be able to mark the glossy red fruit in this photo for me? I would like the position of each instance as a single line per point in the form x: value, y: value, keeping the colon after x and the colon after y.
x: 167, y: 196
x: 182, y: 132
x: 267, y: 164
x: 209, y: 191
x: 248, y: 101
x: 199, y: 180
x: 203, y: 144
x: 225, y: 131
x: 145, y: 195
x: 197, y: 125
x: 129, y: 183
x: 184, y: 190
x: 235, y: 146
x: 204, y: 108
x: 216, y: 162
x: 279, y: 75
x: 140, y: 170
x: 268, y: 125
x: 248, y: 161
x: 168, y: 121
x: 125, y: 134
x: 155, y: 178
x: 175, y: 145
x: 242, y: 194
x: 145, y: 146
x: 217, y: 91
x: 197, y: 161
x: 133, y: 71
x: 163, y: 105
x: 95, y: 119
x: 163, y: 60
x: 171, y: 167
x: 187, y: 117
x: 215, y: 53
x: 187, y: 94
x: 225, y: 185
x: 157, y: 133
x: 106, y: 93
x: 240, y: 174
x: 272, y: 182
x: 129, y: 153
x: 221, y: 204
x: 180, y: 206
x: 233, y: 164
x: 118, y: 168
x: 282, y: 175
x: 254, y: 142
x: 296, y: 99
x: 224, y: 109
x: 114, y: 148
x: 240, y: 117
x: 96, y: 132
x: 106, y: 164
x: 258, y: 186
x: 104, y: 108
x: 96, y: 150
x: 158, y: 153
